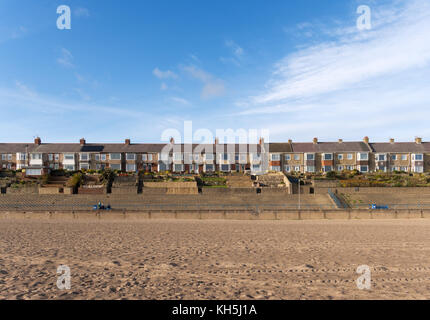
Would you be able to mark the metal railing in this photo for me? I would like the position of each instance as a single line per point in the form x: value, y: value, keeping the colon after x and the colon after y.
x: 339, y: 204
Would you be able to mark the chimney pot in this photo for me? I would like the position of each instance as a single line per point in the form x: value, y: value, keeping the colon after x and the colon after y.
x: 392, y: 140
x: 418, y: 140
x: 366, y: 139
x: 340, y: 141
x: 172, y: 140
x: 127, y: 142
x: 38, y: 141
x: 315, y: 140
x: 290, y: 141
x: 82, y: 141
x: 216, y: 140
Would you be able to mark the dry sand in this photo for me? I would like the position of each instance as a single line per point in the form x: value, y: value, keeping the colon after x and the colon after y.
x: 173, y: 259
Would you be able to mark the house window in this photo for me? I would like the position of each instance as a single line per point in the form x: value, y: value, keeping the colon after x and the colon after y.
x: 349, y: 156
x: 69, y: 156
x: 209, y: 167
x: 69, y: 167
x: 178, y: 156
x: 349, y: 168
x: 224, y: 156
x: 297, y: 157
x: 363, y: 156
x: 287, y: 169
x: 364, y: 168
x: 340, y: 156
x: 97, y: 157
x: 115, y: 166
x: 310, y: 169
x: 9, y: 157
x: 236, y: 157
x: 36, y: 156
x: 178, y: 167
x: 84, y: 166
x: 130, y: 156
x: 404, y: 157
x: 380, y: 157
x: 382, y: 168
x: 275, y: 168
x: 296, y: 169
x: 57, y: 157
x: 275, y: 157
x: 328, y: 156
x: 404, y: 169
x: 243, y: 158
x: 84, y: 156
x: 115, y: 156
x: 288, y: 157
x: 22, y: 156
x: 225, y: 167
x: 394, y: 157
x: 256, y: 167
x: 50, y: 157
x: 310, y: 156
x: 131, y: 167
x: 196, y: 157
x: 339, y: 168
x: 4, y: 157
x: 327, y: 168
x: 419, y: 169
x: 144, y: 157
x: 256, y: 156
x: 418, y: 157
x: 149, y: 157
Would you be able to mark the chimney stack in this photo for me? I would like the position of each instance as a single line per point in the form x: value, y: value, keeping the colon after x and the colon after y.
x: 172, y: 140
x: 82, y: 141
x: 261, y: 142
x: 366, y: 139
x: 315, y: 140
x: 38, y: 141
x: 127, y: 142
x: 216, y: 140
x: 340, y: 141
x: 418, y: 140
x: 290, y: 141
x: 392, y: 141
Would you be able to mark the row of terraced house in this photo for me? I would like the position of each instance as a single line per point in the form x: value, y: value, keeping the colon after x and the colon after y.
x: 38, y: 158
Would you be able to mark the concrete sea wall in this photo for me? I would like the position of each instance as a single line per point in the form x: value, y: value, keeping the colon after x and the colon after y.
x: 244, y: 214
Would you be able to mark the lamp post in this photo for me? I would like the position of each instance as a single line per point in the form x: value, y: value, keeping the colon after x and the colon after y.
x: 299, y: 193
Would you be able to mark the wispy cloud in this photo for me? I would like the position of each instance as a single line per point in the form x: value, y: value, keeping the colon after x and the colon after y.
x: 181, y: 101
x: 236, y: 51
x: 213, y: 87
x: 66, y: 58
x: 164, y: 74
x: 371, y: 73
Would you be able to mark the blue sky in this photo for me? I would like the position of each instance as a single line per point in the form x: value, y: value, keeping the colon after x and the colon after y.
x: 297, y: 69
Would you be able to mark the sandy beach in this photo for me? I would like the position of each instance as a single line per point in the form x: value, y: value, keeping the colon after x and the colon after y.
x: 176, y: 259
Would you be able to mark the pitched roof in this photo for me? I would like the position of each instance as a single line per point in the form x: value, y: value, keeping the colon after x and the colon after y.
x: 400, y: 147
x: 330, y: 147
x: 280, y: 147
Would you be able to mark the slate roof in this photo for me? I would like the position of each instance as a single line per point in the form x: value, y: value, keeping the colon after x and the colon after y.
x: 329, y: 147
x: 400, y: 147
